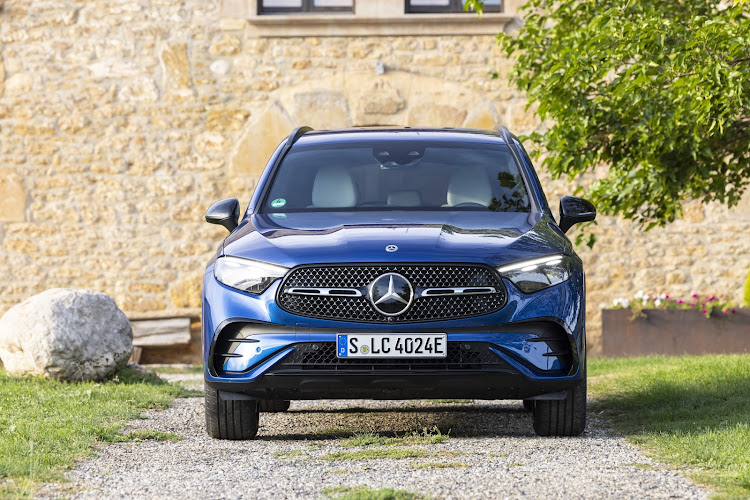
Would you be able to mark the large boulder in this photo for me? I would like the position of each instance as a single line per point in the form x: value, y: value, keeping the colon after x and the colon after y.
x: 66, y: 335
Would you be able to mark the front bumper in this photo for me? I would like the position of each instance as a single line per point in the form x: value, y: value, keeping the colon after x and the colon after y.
x: 398, y: 386
x: 534, y: 346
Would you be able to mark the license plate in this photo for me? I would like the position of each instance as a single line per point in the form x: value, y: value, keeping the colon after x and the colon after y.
x: 391, y: 345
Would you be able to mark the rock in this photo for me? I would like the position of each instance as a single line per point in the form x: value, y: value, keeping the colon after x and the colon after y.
x: 211, y: 142
x: 432, y: 115
x: 322, y: 109
x: 219, y: 67
x: 227, y: 45
x: 12, y: 196
x: 18, y: 85
x: 176, y: 65
x: 381, y: 98
x: 693, y: 212
x: 66, y: 335
x: 260, y: 137
x: 483, y: 116
x: 140, y: 89
x: 227, y: 119
x: 186, y: 292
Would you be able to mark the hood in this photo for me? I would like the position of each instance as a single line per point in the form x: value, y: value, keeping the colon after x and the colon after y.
x: 343, y: 237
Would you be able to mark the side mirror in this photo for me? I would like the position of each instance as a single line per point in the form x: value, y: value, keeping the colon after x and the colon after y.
x: 574, y: 210
x: 224, y: 213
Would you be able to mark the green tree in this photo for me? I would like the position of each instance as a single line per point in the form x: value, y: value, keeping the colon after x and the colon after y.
x: 658, y: 91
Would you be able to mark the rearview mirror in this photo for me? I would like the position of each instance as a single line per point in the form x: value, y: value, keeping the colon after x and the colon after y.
x: 224, y: 213
x: 574, y: 210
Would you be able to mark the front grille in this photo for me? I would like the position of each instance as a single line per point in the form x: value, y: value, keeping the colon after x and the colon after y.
x: 421, y: 277
x: 321, y: 357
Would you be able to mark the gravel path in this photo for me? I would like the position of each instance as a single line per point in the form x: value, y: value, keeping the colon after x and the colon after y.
x: 492, y: 452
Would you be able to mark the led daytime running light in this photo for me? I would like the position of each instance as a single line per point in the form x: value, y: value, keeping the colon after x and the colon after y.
x: 530, y: 265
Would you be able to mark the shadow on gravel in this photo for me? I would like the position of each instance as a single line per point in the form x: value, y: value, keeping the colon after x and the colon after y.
x: 453, y: 420
x: 468, y: 408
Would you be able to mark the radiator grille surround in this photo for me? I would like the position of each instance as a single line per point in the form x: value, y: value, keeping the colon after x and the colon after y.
x: 358, y: 308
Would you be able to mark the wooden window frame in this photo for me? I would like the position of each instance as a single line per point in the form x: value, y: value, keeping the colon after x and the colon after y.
x: 453, y: 7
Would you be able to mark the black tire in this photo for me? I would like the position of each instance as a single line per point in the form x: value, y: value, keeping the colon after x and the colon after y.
x: 566, y: 417
x: 528, y: 405
x: 274, y: 405
x: 230, y: 418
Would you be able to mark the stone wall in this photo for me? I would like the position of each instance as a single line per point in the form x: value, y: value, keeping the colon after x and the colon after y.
x: 122, y: 121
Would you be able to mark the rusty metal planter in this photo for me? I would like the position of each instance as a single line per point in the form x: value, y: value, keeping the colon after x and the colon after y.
x: 674, y: 332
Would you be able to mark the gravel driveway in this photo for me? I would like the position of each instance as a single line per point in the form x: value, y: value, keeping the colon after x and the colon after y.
x: 491, y: 452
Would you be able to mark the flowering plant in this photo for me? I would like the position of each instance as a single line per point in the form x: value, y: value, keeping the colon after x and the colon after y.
x: 707, y: 304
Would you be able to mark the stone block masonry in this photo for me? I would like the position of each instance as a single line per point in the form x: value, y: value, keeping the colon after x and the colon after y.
x: 122, y: 121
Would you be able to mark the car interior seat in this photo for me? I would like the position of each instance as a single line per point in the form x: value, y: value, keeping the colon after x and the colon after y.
x: 469, y: 185
x: 333, y: 187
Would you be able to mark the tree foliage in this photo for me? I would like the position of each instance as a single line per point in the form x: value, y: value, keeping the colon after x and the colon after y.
x: 658, y: 91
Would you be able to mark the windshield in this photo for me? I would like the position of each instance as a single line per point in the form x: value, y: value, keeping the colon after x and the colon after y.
x: 397, y: 175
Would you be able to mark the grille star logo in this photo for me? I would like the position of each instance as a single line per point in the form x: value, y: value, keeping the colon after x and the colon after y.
x: 391, y: 294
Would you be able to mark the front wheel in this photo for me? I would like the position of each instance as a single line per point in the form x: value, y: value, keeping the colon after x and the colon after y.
x: 566, y: 417
x: 235, y: 419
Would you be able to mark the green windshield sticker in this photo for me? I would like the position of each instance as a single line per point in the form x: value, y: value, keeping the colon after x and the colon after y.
x: 278, y: 203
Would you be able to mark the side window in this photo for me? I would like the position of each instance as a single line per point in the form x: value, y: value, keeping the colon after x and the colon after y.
x: 447, y: 6
x: 302, y: 6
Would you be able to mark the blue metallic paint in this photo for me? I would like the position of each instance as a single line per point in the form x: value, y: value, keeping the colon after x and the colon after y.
x: 561, y: 302
x: 489, y: 238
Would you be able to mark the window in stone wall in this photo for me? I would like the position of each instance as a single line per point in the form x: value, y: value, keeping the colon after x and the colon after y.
x: 447, y: 6
x: 301, y: 6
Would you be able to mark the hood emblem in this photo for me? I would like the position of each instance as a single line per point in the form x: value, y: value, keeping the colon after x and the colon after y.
x: 391, y: 294
x: 391, y: 248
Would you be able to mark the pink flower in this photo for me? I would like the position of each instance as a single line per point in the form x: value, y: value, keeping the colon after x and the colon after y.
x: 712, y: 298
x: 704, y: 311
x: 680, y: 301
x: 692, y: 305
x: 726, y: 311
x: 733, y: 311
x: 668, y: 297
x: 695, y: 295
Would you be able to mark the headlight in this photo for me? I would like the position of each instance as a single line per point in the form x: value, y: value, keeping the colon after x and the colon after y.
x: 247, y: 275
x: 537, y: 274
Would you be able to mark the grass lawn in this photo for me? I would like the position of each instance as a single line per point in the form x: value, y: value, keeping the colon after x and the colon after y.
x: 689, y: 411
x: 46, y: 425
x: 362, y: 493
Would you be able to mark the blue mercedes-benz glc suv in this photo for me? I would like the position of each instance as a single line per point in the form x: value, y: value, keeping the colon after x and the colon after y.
x: 395, y: 264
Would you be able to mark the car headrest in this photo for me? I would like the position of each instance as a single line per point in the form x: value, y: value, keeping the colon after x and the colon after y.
x: 469, y: 185
x: 404, y: 199
x: 333, y: 187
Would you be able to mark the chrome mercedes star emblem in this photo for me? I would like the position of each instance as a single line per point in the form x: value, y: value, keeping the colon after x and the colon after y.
x: 391, y: 248
x: 391, y: 294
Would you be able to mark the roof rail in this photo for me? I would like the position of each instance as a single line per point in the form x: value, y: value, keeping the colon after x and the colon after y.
x: 297, y: 133
x: 505, y: 133
x: 293, y: 137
